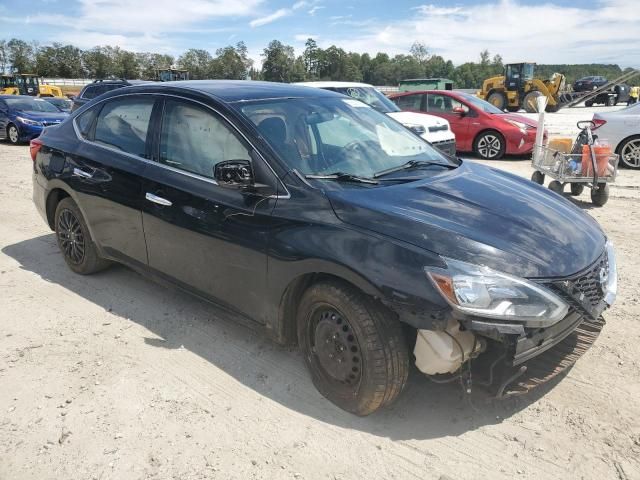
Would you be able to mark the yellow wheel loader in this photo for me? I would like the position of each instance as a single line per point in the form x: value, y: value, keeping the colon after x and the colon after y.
x: 27, y: 84
x: 518, y: 88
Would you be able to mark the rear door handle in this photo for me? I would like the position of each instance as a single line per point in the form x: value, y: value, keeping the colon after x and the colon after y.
x: 159, y: 200
x: 81, y: 173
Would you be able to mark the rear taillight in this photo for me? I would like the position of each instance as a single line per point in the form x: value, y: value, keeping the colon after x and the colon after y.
x: 34, y: 147
x: 597, y: 123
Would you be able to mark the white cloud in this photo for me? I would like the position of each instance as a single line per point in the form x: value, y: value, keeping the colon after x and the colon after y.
x: 312, y: 11
x: 303, y: 37
x: 545, y: 33
x: 258, y: 22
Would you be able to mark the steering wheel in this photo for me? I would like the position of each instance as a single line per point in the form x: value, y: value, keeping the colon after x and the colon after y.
x: 358, y: 145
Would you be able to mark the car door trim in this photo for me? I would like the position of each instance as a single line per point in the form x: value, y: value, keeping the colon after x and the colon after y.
x: 173, y: 169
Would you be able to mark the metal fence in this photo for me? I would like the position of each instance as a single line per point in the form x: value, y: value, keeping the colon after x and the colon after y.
x: 79, y: 82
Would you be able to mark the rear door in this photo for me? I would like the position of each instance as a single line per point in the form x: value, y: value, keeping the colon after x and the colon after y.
x: 209, y: 238
x: 106, y: 173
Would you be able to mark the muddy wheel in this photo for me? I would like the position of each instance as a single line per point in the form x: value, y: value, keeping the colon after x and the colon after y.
x: 600, y: 195
x: 529, y: 103
x: 577, y: 189
x: 498, y: 100
x: 354, y: 349
x: 537, y: 177
x: 74, y: 239
x: 556, y: 186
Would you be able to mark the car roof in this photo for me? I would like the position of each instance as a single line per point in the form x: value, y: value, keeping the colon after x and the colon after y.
x: 243, y: 90
x: 19, y: 96
x: 446, y: 92
x: 329, y: 84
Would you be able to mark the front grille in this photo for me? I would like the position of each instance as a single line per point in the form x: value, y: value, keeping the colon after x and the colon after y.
x: 586, y: 290
x: 439, y: 128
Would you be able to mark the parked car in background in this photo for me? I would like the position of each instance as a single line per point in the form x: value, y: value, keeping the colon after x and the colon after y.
x: 435, y: 130
x: 333, y: 227
x: 622, y: 130
x: 61, y: 103
x: 23, y: 117
x: 618, y: 94
x: 98, y: 87
x: 585, y: 84
x: 479, y: 127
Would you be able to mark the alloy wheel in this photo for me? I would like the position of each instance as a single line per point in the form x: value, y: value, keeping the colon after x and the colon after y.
x: 71, y: 237
x: 489, y: 146
x: 630, y: 154
x: 13, y: 134
x: 335, y: 347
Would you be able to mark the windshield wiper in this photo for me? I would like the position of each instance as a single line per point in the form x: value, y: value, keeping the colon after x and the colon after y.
x: 342, y: 177
x: 411, y: 164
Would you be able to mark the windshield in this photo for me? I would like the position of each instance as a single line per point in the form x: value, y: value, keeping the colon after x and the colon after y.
x: 30, y: 104
x: 480, y: 104
x: 320, y: 136
x: 59, y: 102
x: 370, y: 96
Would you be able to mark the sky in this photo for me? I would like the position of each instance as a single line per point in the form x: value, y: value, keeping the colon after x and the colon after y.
x: 545, y: 31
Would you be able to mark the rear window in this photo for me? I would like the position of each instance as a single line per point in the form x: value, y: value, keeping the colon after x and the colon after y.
x: 123, y: 124
x: 94, y: 91
x: 85, y: 121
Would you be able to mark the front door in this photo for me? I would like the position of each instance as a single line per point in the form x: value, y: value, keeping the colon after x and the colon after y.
x: 207, y: 237
x: 449, y: 108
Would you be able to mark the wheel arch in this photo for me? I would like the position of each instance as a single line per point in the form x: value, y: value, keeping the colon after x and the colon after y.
x: 53, y: 199
x: 488, y: 130
x: 624, y: 140
x: 289, y: 301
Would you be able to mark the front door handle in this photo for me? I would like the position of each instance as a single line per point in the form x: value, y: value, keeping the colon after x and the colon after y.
x: 159, y: 200
x: 81, y: 173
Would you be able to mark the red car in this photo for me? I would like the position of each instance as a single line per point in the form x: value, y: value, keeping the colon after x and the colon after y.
x: 479, y: 126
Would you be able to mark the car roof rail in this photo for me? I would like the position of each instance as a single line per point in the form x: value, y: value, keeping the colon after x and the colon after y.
x: 114, y: 79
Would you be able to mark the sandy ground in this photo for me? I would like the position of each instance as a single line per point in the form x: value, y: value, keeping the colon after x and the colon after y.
x: 114, y: 377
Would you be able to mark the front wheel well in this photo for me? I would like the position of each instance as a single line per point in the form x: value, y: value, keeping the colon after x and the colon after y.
x: 54, y: 198
x: 623, y: 141
x: 288, y: 311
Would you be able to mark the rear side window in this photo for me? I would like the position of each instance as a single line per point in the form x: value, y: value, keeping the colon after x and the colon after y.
x: 123, y: 124
x: 409, y: 102
x: 93, y: 91
x: 85, y: 121
x: 89, y: 92
x: 194, y: 139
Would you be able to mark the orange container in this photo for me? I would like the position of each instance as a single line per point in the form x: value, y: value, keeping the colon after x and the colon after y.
x: 602, y: 152
x: 561, y: 144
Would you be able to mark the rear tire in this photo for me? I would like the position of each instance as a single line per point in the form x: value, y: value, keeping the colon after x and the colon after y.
x: 74, y: 239
x: 600, y: 195
x: 529, y: 101
x: 588, y: 103
x: 629, y: 151
x: 537, y: 177
x: 354, y: 349
x: 556, y: 186
x: 611, y: 101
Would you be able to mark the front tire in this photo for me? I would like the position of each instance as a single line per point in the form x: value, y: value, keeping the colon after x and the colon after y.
x: 577, y: 189
x: 556, y: 186
x: 529, y: 102
x: 490, y: 145
x: 600, y: 195
x: 13, y: 134
x: 74, y: 239
x: 537, y: 177
x: 354, y: 349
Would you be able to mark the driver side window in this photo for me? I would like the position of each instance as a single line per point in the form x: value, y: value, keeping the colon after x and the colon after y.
x: 194, y: 139
x: 437, y: 103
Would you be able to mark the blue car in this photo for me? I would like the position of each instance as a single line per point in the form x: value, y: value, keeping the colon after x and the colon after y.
x: 23, y: 118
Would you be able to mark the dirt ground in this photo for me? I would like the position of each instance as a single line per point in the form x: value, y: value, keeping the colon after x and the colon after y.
x: 114, y: 377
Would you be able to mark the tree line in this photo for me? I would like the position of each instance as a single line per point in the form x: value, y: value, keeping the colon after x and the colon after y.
x: 279, y: 63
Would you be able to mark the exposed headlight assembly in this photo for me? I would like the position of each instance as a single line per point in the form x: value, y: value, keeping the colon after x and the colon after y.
x: 28, y: 121
x: 483, y: 292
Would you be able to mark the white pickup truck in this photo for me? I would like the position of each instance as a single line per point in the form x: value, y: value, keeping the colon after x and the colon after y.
x: 433, y: 129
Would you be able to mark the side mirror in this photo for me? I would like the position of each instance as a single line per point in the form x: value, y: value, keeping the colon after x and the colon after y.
x: 234, y: 173
x: 459, y: 111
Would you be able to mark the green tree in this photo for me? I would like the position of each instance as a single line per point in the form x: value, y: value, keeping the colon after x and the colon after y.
x: 21, y: 56
x: 4, y: 56
x: 231, y: 62
x: 279, y: 63
x: 98, y: 62
x: 149, y: 63
x: 311, y: 58
x: 198, y: 62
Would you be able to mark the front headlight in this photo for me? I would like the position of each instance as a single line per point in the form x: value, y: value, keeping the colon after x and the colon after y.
x: 28, y: 121
x: 522, y: 126
x: 611, y: 289
x: 481, y: 291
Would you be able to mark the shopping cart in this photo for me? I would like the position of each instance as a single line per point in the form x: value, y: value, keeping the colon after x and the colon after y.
x: 581, y: 167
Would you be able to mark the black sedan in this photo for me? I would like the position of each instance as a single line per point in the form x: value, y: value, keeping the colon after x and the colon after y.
x: 586, y: 84
x: 331, y: 226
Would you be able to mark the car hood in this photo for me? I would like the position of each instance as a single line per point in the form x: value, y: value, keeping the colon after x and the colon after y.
x: 42, y: 116
x: 423, y: 119
x: 479, y: 215
x: 519, y: 118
